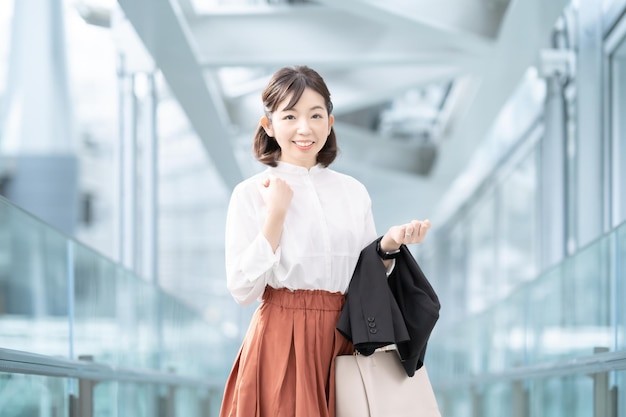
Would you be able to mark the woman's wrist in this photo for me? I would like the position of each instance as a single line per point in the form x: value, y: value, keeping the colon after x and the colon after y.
x: 387, y: 244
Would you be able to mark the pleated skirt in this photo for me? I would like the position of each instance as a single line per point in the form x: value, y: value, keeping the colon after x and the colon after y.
x: 285, y: 366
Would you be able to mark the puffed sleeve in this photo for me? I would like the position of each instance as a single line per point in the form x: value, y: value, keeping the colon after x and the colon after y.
x: 249, y: 256
x: 369, y: 232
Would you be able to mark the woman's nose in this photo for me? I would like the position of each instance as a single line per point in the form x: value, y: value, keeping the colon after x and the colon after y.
x: 303, y: 127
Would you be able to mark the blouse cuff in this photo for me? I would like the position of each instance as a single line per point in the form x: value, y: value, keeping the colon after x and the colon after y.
x: 259, y: 258
x: 392, y: 265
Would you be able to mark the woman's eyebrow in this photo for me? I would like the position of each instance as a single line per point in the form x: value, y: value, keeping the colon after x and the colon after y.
x: 318, y: 107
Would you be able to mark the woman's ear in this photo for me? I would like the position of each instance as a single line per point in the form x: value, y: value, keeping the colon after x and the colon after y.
x: 267, y: 126
x: 331, y: 122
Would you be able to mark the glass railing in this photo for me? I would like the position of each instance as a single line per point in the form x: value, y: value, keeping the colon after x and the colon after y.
x: 564, y: 317
x: 61, y: 299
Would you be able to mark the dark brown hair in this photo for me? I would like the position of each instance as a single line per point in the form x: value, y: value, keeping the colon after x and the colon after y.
x: 286, y: 82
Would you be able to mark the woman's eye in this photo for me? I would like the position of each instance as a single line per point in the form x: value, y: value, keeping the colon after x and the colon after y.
x: 289, y: 117
x: 318, y: 116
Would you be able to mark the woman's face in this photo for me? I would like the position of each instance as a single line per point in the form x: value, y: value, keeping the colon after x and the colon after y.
x: 301, y: 131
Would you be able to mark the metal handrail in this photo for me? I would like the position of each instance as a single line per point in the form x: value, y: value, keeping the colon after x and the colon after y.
x: 16, y: 361
x: 588, y: 365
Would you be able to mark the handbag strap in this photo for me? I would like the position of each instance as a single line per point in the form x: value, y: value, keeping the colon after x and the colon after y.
x: 361, y: 363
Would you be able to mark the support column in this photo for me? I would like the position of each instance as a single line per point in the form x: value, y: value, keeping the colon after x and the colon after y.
x: 552, y: 178
x: 37, y: 137
x: 604, y: 397
x: 127, y: 170
x: 137, y: 155
x: 477, y: 402
x: 520, y: 400
x: 85, y: 392
x: 556, y: 177
x: 149, y: 177
x: 592, y: 201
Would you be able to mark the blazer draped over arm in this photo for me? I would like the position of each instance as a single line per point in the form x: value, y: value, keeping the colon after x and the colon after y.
x: 401, y: 309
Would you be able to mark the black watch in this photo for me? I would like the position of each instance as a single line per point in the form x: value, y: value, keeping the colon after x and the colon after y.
x: 387, y: 255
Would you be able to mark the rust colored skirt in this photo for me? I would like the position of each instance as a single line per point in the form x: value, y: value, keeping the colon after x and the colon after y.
x: 285, y: 367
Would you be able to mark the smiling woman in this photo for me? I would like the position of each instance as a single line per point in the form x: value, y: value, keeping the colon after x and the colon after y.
x: 294, y: 234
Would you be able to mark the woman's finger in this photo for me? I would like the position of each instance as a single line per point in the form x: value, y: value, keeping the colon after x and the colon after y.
x: 408, y: 232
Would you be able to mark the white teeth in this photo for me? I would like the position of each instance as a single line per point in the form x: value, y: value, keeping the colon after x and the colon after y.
x: 304, y: 143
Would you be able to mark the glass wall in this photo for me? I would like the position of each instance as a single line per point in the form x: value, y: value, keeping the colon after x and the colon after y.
x: 516, y: 215
x: 620, y: 288
x: 617, y: 128
x: 565, y: 313
x: 480, y: 227
x: 489, y: 249
x: 34, y: 285
x: 60, y: 298
x: 529, y: 316
x: 28, y: 395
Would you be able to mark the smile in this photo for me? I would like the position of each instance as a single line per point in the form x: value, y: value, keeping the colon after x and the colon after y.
x: 304, y: 144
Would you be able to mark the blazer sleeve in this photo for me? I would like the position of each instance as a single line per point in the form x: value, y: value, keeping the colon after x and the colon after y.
x: 370, y: 317
x: 419, y: 305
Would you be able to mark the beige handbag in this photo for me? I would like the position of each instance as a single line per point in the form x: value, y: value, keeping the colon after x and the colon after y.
x: 378, y: 386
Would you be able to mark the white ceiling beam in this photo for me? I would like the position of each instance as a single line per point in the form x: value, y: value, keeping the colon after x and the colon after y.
x: 413, y: 22
x: 165, y: 37
x: 185, y: 7
x: 517, y: 49
x: 336, y: 59
x: 476, y: 18
x: 298, y: 32
x: 367, y: 86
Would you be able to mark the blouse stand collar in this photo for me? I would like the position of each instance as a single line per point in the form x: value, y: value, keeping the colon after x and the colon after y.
x: 287, y: 168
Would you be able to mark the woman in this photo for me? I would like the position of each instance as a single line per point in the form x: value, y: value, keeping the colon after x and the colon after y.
x: 293, y: 237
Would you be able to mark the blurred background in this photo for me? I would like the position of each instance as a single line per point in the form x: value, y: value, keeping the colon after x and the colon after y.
x: 124, y: 126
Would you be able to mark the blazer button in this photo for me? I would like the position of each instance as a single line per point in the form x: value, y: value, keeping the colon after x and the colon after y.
x: 371, y: 324
x: 372, y: 330
x: 370, y: 319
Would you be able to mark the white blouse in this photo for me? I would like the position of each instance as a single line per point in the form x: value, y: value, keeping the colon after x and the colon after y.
x: 327, y: 225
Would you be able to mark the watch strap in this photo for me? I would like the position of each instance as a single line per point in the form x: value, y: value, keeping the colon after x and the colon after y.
x: 386, y: 255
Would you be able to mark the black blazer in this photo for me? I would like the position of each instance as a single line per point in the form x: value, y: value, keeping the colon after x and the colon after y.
x: 380, y: 311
